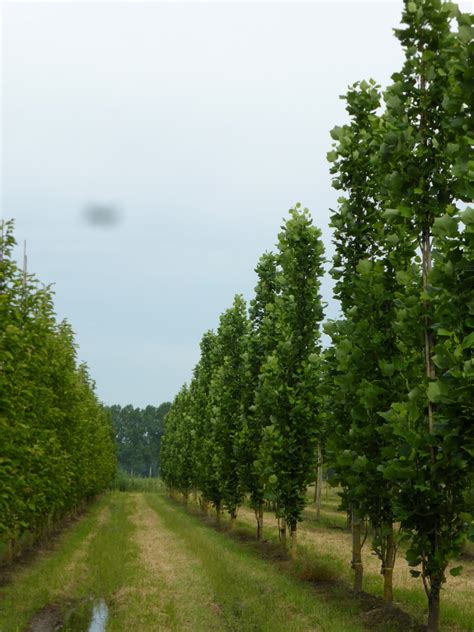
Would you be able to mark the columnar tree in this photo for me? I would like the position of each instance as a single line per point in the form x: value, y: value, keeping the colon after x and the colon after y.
x: 227, y: 392
x: 419, y: 170
x: 426, y: 168
x: 205, y: 479
x: 365, y: 267
x: 290, y: 373
x: 176, y: 456
x: 262, y: 341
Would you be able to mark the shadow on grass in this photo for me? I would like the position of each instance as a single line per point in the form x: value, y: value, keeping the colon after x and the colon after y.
x: 322, y: 575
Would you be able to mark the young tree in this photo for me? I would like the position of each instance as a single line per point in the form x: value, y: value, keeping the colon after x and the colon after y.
x: 424, y: 156
x: 365, y: 267
x: 227, y: 391
x: 418, y: 170
x: 205, y: 479
x: 261, y: 343
x: 290, y: 373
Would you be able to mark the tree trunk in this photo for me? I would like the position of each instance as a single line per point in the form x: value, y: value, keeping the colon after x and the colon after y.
x: 388, y: 586
x: 149, y: 472
x: 233, y: 516
x: 428, y: 333
x: 282, y: 530
x: 259, y: 516
x: 388, y: 564
x: 205, y: 507
x: 433, y: 607
x: 357, y: 552
x: 319, y: 484
x: 293, y: 533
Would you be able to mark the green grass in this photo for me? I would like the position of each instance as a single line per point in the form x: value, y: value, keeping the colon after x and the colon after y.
x: 161, y: 566
x: 54, y: 578
x: 457, y: 606
x: 253, y: 593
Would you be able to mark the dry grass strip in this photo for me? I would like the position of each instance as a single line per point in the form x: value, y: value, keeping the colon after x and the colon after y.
x: 172, y: 592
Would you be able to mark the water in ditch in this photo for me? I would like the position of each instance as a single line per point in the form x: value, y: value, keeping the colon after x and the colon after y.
x: 89, y: 616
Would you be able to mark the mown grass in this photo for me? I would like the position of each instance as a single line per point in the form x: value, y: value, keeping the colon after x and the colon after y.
x: 90, y: 560
x: 252, y: 593
x: 457, y: 605
x: 161, y: 566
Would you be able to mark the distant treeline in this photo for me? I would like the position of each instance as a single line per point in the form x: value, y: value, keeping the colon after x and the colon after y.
x: 56, y: 439
x: 138, y: 435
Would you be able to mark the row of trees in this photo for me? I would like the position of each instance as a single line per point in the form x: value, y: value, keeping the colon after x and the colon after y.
x: 246, y: 423
x: 390, y: 402
x: 138, y: 435
x: 57, y: 446
x: 404, y: 271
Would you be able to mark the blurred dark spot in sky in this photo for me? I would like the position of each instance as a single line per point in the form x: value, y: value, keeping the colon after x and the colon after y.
x: 101, y: 215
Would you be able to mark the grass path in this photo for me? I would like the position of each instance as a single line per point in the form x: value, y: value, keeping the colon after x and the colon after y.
x: 250, y: 593
x: 169, y: 592
x: 159, y: 568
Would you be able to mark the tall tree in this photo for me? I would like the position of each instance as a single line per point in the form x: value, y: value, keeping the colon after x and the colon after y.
x: 424, y: 156
x: 262, y: 342
x: 289, y: 374
x: 227, y: 392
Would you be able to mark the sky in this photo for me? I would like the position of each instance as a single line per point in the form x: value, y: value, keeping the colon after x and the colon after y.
x: 200, y: 124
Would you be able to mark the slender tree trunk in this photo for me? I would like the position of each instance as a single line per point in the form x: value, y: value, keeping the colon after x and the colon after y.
x: 218, y: 514
x: 319, y: 484
x: 293, y: 540
x: 282, y: 530
x: 433, y: 606
x: 233, y: 516
x: 357, y: 551
x: 349, y: 518
x: 388, y: 564
x: 149, y: 472
x: 259, y: 517
x: 428, y: 334
x: 11, y: 550
x: 205, y: 507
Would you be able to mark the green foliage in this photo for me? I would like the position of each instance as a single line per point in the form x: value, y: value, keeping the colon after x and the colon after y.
x: 138, y: 435
x: 227, y: 392
x: 248, y: 423
x: 409, y: 256
x: 176, y: 456
x: 289, y: 379
x: 57, y: 443
x: 255, y: 469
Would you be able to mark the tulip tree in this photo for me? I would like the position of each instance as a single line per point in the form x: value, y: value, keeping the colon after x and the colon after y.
x: 176, y: 455
x: 419, y: 170
x: 289, y: 376
x: 369, y: 362
x: 426, y: 168
x: 261, y: 343
x: 205, y: 479
x: 227, y: 391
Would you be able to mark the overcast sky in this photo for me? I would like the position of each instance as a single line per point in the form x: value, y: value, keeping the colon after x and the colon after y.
x: 202, y: 124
